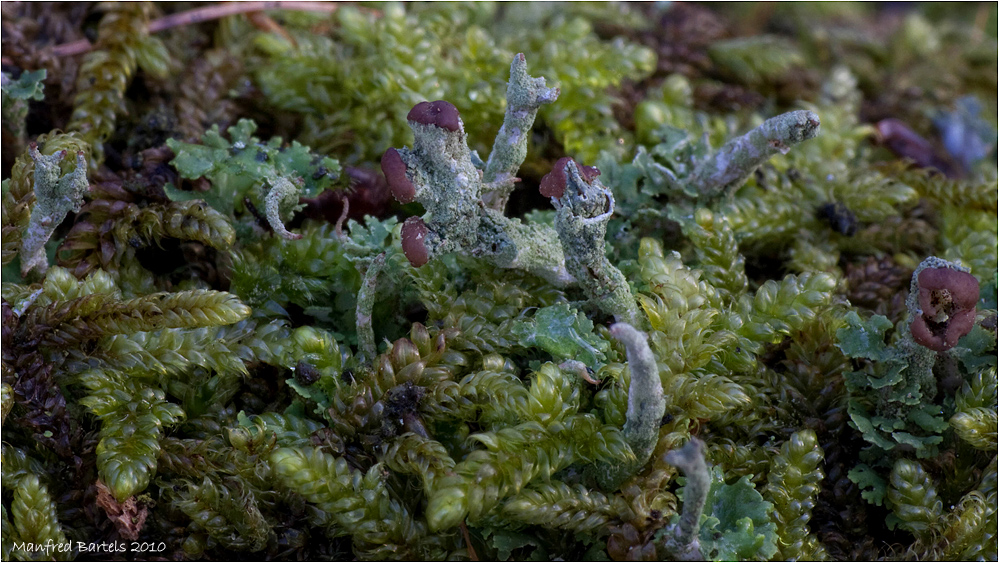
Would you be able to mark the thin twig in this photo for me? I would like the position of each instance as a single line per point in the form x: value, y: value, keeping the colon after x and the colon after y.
x: 468, y: 542
x: 209, y: 13
x: 263, y: 22
x: 365, y: 303
x: 343, y: 216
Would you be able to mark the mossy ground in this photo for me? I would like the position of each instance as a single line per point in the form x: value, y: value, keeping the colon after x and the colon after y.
x: 191, y: 376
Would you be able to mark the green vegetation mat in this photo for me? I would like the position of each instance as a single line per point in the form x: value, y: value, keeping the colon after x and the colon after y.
x: 499, y: 281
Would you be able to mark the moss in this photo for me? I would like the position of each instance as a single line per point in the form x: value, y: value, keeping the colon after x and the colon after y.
x: 737, y: 303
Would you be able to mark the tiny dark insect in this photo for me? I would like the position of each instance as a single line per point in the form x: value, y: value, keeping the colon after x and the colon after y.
x: 347, y: 376
x: 839, y: 217
x: 306, y: 373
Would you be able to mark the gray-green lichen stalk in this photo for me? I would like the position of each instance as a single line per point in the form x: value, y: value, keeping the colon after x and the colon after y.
x: 282, y: 196
x: 680, y: 539
x: 440, y: 173
x: 524, y: 96
x: 582, y: 213
x: 646, y: 406
x: 56, y: 194
x: 730, y: 165
x: 365, y: 303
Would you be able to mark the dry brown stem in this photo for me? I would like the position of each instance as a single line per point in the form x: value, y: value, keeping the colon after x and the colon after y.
x: 209, y: 13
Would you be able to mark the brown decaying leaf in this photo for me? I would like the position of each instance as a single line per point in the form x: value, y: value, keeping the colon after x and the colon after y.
x: 900, y: 139
x: 128, y: 517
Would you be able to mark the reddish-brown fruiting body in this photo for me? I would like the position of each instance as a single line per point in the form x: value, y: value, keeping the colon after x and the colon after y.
x: 441, y: 113
x: 589, y: 173
x: 944, y: 291
x: 395, y: 174
x: 414, y: 244
x: 941, y: 287
x: 941, y: 337
x: 553, y: 184
x: 906, y: 143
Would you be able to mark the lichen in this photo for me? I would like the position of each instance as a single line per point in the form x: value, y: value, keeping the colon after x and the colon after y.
x: 56, y: 195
